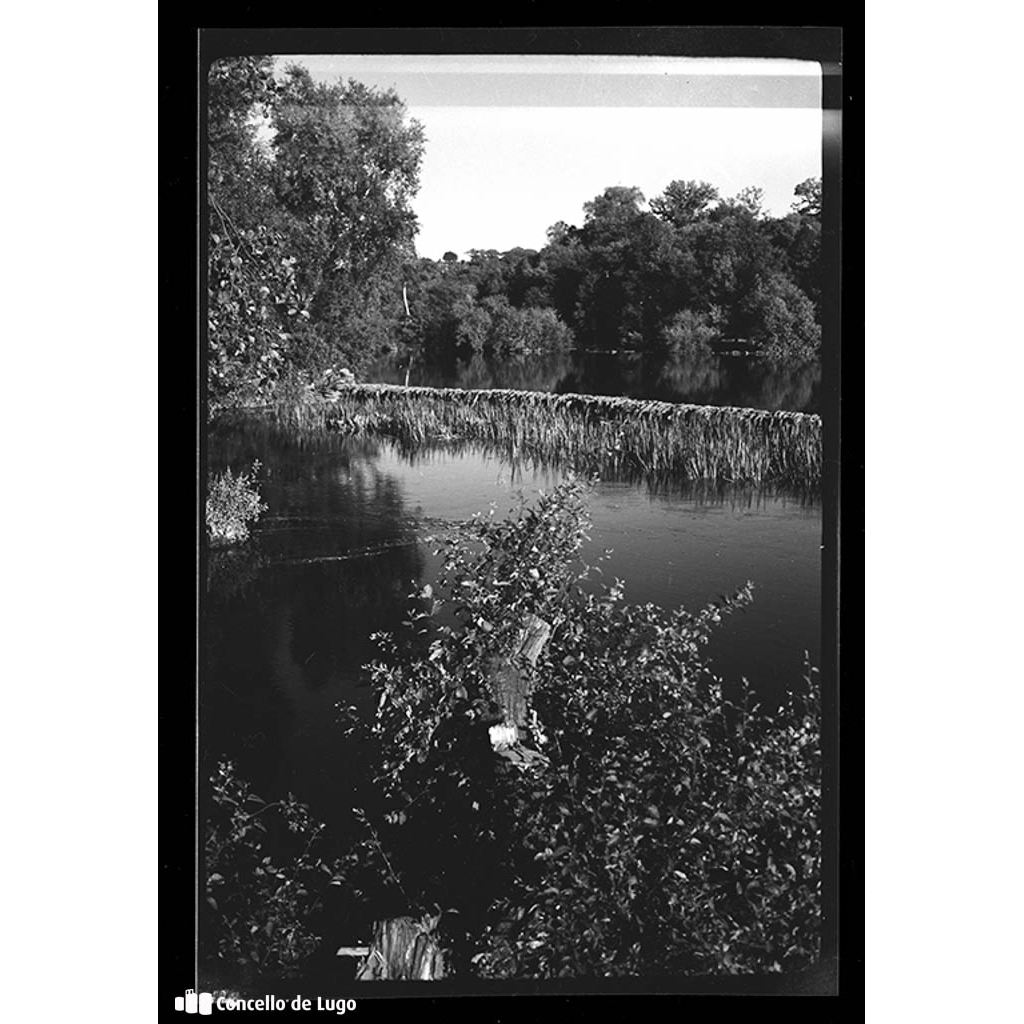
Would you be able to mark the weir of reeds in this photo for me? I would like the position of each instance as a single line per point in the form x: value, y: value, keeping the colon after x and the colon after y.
x: 662, y: 439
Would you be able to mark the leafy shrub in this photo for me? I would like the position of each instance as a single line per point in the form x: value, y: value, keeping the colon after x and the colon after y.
x: 670, y: 836
x: 526, y: 330
x: 689, y: 333
x: 232, y: 502
x: 786, y: 329
x: 254, y: 307
x: 265, y: 877
x: 673, y: 832
x: 496, y: 327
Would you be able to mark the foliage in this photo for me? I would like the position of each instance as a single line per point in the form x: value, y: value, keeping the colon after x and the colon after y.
x: 674, y: 831
x: 690, y: 334
x: 308, y: 190
x: 692, y: 264
x: 345, y: 170
x: 232, y: 503
x: 429, y: 734
x: 463, y: 309
x: 241, y: 93
x: 523, y: 331
x: 808, y: 195
x: 254, y: 304
x: 671, y: 835
x: 492, y: 573
x: 684, y: 201
x: 787, y: 331
x: 265, y: 876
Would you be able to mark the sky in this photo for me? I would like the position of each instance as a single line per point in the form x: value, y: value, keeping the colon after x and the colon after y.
x: 515, y: 144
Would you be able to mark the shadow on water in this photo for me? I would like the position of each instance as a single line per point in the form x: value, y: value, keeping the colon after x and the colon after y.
x: 288, y: 617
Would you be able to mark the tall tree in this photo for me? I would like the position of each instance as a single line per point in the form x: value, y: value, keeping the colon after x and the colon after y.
x: 808, y: 197
x: 683, y: 202
x: 309, y: 191
x: 240, y: 96
x: 612, y: 212
x: 254, y: 299
x: 346, y: 166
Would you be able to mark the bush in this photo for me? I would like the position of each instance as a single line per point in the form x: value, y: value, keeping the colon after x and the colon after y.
x: 231, y: 504
x: 671, y: 834
x: 495, y: 327
x: 689, y: 334
x: 786, y: 329
x: 251, y: 285
x: 525, y: 331
x: 265, y: 877
x: 674, y: 831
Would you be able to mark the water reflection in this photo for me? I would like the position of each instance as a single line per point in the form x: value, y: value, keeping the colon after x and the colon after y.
x: 523, y: 464
x: 697, y: 377
x: 230, y: 571
x: 288, y: 618
x: 520, y: 373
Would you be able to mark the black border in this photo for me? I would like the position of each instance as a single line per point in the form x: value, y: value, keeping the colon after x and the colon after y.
x: 184, y: 52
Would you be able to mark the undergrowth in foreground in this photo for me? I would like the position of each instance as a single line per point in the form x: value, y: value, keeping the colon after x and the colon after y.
x: 264, y: 876
x: 674, y: 831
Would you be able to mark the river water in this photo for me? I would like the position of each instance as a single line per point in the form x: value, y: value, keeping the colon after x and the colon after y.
x: 700, y: 378
x: 287, y: 618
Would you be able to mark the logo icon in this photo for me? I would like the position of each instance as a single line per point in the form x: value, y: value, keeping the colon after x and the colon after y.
x: 192, y: 1003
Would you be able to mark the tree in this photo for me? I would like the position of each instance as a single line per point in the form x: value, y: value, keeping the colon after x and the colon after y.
x: 255, y: 302
x: 613, y: 210
x: 808, y: 198
x: 309, y: 190
x: 751, y: 198
x: 346, y: 166
x: 523, y: 331
x: 684, y: 201
x: 559, y: 233
x: 241, y: 93
x: 564, y: 260
x: 785, y: 328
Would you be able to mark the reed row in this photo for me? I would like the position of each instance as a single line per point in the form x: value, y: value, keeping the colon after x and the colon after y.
x: 693, y: 442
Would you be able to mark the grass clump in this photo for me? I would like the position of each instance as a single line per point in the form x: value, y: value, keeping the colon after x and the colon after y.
x: 595, y: 433
x: 233, y: 502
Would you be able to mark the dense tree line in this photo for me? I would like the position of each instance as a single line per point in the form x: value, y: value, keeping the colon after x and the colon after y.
x: 313, y: 266
x: 690, y: 270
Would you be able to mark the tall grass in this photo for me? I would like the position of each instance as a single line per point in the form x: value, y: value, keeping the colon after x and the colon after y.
x: 694, y: 442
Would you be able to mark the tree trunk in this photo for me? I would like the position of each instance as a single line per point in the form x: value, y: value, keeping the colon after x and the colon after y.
x: 403, y: 949
x: 511, y: 682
